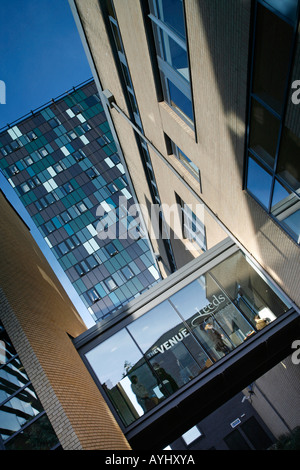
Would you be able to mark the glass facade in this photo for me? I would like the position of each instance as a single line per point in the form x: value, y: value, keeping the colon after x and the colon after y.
x: 24, y: 424
x: 273, y: 171
x: 63, y: 165
x: 156, y: 353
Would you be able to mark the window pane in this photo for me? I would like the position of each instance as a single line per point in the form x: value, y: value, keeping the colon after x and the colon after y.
x: 287, y: 8
x: 271, y: 57
x: 18, y: 411
x: 38, y: 436
x: 175, y: 56
x: 289, y: 158
x: 167, y: 343
x: 252, y: 294
x: 264, y: 129
x: 259, y: 181
x: 180, y: 101
x: 172, y: 14
x: 286, y: 208
x: 125, y: 376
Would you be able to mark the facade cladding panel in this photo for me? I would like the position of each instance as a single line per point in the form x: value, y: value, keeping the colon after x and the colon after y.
x: 63, y: 164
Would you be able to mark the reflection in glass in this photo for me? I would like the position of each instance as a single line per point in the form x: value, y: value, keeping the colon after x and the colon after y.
x: 12, y: 377
x: 286, y: 209
x: 271, y: 57
x: 175, y: 55
x: 165, y: 348
x: 249, y: 291
x: 259, y: 181
x: 180, y: 101
x: 289, y: 162
x: 38, y: 436
x: 264, y: 133
x: 125, y: 376
x: 171, y: 13
x: 166, y: 342
x: 18, y: 411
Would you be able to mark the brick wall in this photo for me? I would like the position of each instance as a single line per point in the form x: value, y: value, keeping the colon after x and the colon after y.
x: 40, y: 319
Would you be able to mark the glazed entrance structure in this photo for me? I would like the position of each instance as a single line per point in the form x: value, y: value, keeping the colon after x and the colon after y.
x: 176, y: 353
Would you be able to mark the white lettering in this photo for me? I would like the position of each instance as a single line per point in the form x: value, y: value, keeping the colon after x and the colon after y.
x: 296, y: 94
x: 295, y: 358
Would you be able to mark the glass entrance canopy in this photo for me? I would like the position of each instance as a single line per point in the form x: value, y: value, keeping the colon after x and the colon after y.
x: 187, y: 323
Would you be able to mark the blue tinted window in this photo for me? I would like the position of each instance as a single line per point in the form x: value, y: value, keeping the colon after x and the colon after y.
x: 259, y: 182
x: 180, y: 101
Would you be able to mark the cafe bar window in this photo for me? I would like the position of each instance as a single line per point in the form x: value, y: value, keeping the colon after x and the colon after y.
x: 156, y: 351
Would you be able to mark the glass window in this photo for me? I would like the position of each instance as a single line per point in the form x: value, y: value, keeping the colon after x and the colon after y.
x: 110, y: 283
x: 180, y: 101
x: 264, y: 132
x: 287, y: 8
x: 289, y: 162
x: 63, y: 248
x: 18, y: 411
x: 166, y: 343
x: 127, y: 272
x: 79, y: 155
x: 259, y: 181
x: 93, y: 295
x: 254, y: 296
x: 272, y: 55
x: 125, y: 377
x: 38, y: 436
x: 171, y: 49
x: 68, y: 187
x: 43, y: 152
x: 172, y: 14
x: 54, y: 122
x: 58, y: 167
x: 286, y: 209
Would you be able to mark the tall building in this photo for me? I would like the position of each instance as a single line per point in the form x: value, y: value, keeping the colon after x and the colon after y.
x: 63, y: 164
x: 201, y: 97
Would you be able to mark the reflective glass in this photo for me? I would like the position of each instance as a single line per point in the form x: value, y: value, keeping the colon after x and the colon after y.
x: 264, y: 131
x: 259, y: 181
x: 286, y: 208
x: 254, y: 296
x: 171, y: 13
x: 7, y: 351
x: 166, y: 342
x: 180, y: 102
x: 125, y: 376
x: 287, y: 8
x: 18, y: 411
x: 175, y: 55
x: 271, y: 57
x: 38, y: 436
x: 289, y: 156
x: 12, y: 377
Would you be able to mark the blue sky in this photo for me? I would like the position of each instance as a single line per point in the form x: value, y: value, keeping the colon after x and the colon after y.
x: 41, y: 57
